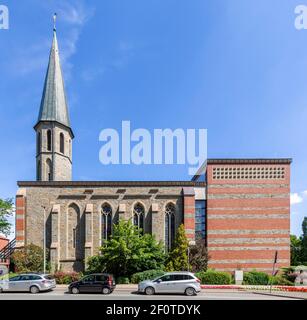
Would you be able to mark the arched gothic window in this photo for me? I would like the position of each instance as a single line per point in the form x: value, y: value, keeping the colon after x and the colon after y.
x: 106, y: 221
x: 38, y: 171
x: 62, y: 149
x: 49, y: 140
x: 138, y: 216
x: 169, y: 226
x: 49, y: 170
x: 38, y: 143
x: 74, y: 235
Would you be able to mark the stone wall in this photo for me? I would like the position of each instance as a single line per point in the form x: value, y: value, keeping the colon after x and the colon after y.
x: 80, y: 208
x: 61, y: 162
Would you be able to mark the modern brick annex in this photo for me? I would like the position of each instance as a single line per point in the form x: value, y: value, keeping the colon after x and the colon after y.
x: 240, y: 207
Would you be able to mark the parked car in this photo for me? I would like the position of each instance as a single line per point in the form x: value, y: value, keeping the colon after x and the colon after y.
x: 95, y: 283
x: 172, y: 282
x: 28, y: 282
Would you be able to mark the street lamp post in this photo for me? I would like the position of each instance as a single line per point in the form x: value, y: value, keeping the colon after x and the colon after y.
x: 44, y: 239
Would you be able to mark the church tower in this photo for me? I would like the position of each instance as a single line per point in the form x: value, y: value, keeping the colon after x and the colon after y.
x: 53, y: 131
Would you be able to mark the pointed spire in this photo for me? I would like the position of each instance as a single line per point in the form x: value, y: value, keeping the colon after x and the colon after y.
x: 53, y: 104
x: 54, y: 22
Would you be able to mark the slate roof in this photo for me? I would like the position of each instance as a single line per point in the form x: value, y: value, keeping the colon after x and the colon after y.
x: 53, y: 105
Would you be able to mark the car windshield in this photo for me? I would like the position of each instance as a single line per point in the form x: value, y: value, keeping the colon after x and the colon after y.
x: 158, y: 278
x: 48, y: 277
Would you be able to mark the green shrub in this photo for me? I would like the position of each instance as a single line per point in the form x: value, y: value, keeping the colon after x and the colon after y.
x: 214, y: 277
x: 29, y: 259
x: 128, y: 251
x: 146, y: 275
x: 279, y: 281
x: 122, y: 280
x: 66, y: 277
x: 95, y: 265
x: 10, y: 275
x: 255, y: 278
x: 288, y: 273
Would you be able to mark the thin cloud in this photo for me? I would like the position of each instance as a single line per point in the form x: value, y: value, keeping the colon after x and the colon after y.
x: 34, y: 57
x: 75, y: 13
x: 125, y: 51
x: 295, y: 198
x: 92, y: 73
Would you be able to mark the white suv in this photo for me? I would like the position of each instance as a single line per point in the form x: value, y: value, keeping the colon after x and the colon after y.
x: 172, y: 282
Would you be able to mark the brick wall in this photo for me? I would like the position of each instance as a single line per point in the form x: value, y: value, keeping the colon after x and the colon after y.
x: 20, y: 221
x: 3, y: 242
x: 248, y: 215
x: 189, y: 212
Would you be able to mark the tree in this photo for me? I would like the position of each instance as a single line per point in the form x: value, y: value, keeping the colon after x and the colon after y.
x: 304, y: 241
x: 6, y: 210
x: 178, y: 258
x: 199, y: 256
x: 128, y: 252
x: 28, y: 259
x: 296, y: 250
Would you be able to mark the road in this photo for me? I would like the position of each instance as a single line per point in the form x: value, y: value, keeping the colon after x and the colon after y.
x: 60, y: 293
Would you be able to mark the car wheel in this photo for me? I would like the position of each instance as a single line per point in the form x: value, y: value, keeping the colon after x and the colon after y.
x: 34, y: 289
x: 190, y: 291
x: 106, y: 290
x: 74, y: 290
x: 150, y: 291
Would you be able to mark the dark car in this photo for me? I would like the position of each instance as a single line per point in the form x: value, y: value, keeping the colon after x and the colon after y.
x: 94, y: 283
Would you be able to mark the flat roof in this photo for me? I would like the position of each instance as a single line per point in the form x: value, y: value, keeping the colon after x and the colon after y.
x: 187, y: 183
x: 111, y: 183
x: 250, y: 161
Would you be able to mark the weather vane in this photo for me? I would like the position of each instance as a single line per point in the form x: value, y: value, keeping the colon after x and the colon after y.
x: 54, y: 22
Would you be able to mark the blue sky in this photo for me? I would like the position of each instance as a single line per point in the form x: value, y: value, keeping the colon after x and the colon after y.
x: 237, y: 68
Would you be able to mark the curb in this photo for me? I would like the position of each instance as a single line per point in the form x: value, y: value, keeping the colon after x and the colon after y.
x: 260, y: 287
x: 279, y: 295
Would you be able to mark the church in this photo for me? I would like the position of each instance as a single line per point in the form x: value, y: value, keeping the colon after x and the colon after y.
x: 240, y: 207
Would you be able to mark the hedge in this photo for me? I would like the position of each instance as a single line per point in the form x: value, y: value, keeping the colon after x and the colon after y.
x: 122, y: 280
x: 8, y: 276
x: 255, y: 278
x: 288, y: 273
x: 66, y: 277
x: 214, y: 277
x: 279, y: 281
x: 146, y: 275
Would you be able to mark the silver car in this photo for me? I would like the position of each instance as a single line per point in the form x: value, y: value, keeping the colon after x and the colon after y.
x: 28, y: 282
x: 172, y: 282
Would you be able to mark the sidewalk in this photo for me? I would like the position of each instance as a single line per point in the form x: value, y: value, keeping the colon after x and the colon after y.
x: 224, y: 287
x: 278, y: 291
